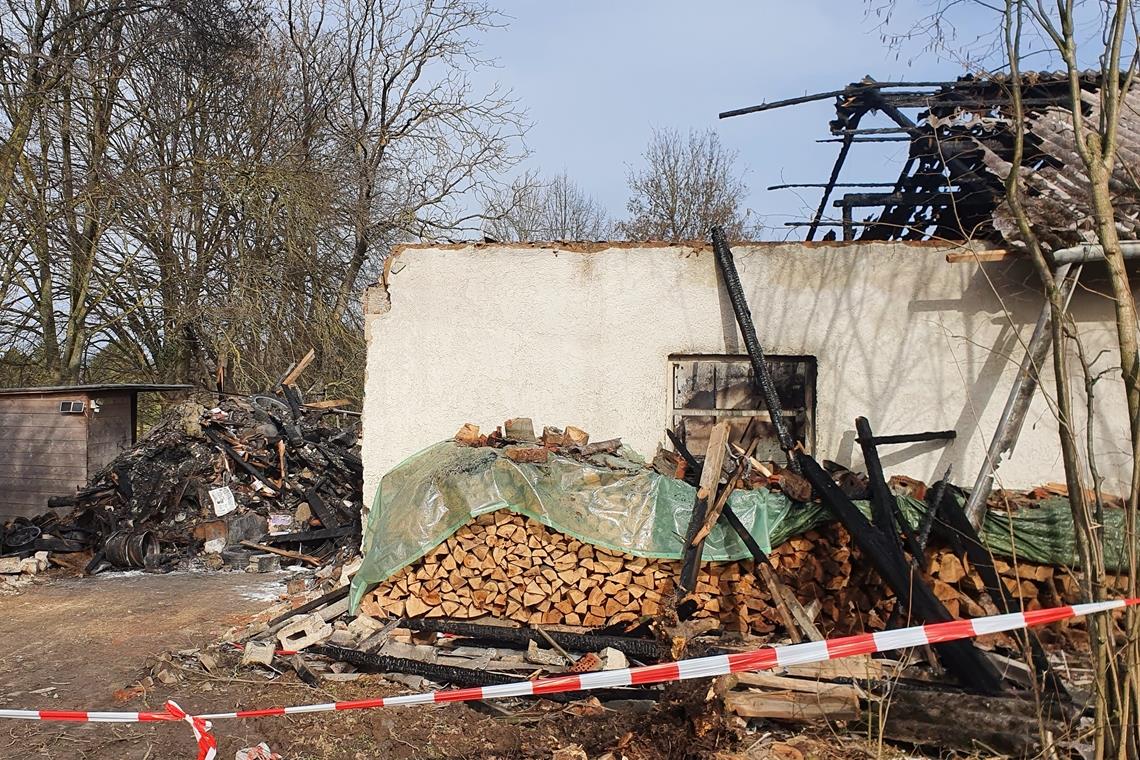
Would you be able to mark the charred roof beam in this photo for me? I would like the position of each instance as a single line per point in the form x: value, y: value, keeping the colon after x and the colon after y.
x: 851, y: 90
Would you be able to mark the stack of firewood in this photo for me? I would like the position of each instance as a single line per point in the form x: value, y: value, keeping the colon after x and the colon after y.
x: 823, y: 567
x: 505, y: 565
x: 511, y: 567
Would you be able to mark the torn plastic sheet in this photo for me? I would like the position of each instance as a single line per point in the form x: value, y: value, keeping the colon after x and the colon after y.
x: 425, y: 499
x: 429, y: 496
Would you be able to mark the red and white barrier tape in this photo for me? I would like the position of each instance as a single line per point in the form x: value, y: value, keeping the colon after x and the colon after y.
x: 700, y: 667
x: 207, y: 744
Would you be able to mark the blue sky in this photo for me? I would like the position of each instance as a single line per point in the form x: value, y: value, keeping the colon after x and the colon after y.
x: 597, y: 77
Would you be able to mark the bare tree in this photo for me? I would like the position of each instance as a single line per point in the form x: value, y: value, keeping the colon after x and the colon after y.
x: 687, y: 185
x: 195, y: 185
x: 1084, y: 191
x: 1096, y: 142
x: 417, y: 137
x: 556, y: 209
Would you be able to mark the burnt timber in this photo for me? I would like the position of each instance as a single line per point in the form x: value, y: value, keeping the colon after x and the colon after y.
x: 943, y: 190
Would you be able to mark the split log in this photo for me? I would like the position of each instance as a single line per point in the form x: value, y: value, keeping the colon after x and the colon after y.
x: 840, y: 704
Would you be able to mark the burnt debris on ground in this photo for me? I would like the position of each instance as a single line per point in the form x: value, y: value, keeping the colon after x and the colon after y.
x: 245, y: 481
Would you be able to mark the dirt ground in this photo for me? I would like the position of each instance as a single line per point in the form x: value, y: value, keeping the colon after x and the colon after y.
x: 87, y: 644
x: 71, y: 643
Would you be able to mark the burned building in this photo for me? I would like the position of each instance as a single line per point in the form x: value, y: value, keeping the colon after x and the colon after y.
x: 958, y: 135
x: 627, y: 339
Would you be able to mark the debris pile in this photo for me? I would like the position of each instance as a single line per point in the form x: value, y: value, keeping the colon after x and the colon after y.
x: 507, y: 597
x: 321, y: 641
x: 859, y: 691
x: 247, y: 478
x: 16, y: 572
x: 512, y: 567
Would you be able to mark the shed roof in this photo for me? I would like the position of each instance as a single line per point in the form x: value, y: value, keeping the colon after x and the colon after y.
x: 105, y: 388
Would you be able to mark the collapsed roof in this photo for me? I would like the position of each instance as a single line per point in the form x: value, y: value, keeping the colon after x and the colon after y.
x: 961, y: 141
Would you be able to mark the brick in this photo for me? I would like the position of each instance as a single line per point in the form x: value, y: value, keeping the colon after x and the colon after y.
x: 258, y: 653
x: 468, y: 435
x: 519, y: 429
x: 364, y: 625
x: 527, y: 454
x: 304, y: 632
x: 576, y: 436
x: 263, y: 563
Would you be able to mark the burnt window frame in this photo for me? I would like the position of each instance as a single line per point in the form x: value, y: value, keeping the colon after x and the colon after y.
x: 799, y: 406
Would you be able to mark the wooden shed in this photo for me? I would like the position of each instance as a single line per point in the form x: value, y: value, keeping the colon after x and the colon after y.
x: 52, y: 440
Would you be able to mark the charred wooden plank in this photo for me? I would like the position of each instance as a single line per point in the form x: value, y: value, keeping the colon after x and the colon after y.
x: 952, y: 721
x: 961, y: 658
x: 293, y: 397
x: 954, y: 517
x: 762, y: 375
x: 934, y: 435
x: 321, y: 601
x: 641, y: 649
x: 460, y: 676
x: 884, y: 507
x: 306, y: 536
x: 933, y: 504
x: 706, y: 494
x: 321, y: 510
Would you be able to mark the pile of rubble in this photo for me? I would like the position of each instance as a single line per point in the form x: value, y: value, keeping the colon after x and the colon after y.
x: 246, y: 482
x: 320, y: 640
x: 17, y: 572
x: 322, y: 643
x: 506, y: 597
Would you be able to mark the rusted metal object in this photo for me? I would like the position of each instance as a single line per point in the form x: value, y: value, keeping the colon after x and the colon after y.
x: 126, y: 549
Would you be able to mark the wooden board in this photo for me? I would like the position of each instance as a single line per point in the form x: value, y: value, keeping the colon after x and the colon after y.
x: 860, y: 667
x: 30, y: 450
x: 46, y: 452
x: 1001, y: 255
x: 110, y: 431
x: 771, y: 682
x: 794, y: 706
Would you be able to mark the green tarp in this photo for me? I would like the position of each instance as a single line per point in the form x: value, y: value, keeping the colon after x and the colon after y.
x: 619, y: 504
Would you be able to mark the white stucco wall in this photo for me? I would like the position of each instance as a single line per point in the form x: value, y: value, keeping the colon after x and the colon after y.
x: 481, y: 333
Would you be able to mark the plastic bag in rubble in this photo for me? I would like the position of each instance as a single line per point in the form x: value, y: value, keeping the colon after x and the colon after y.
x: 260, y: 752
x: 429, y: 496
